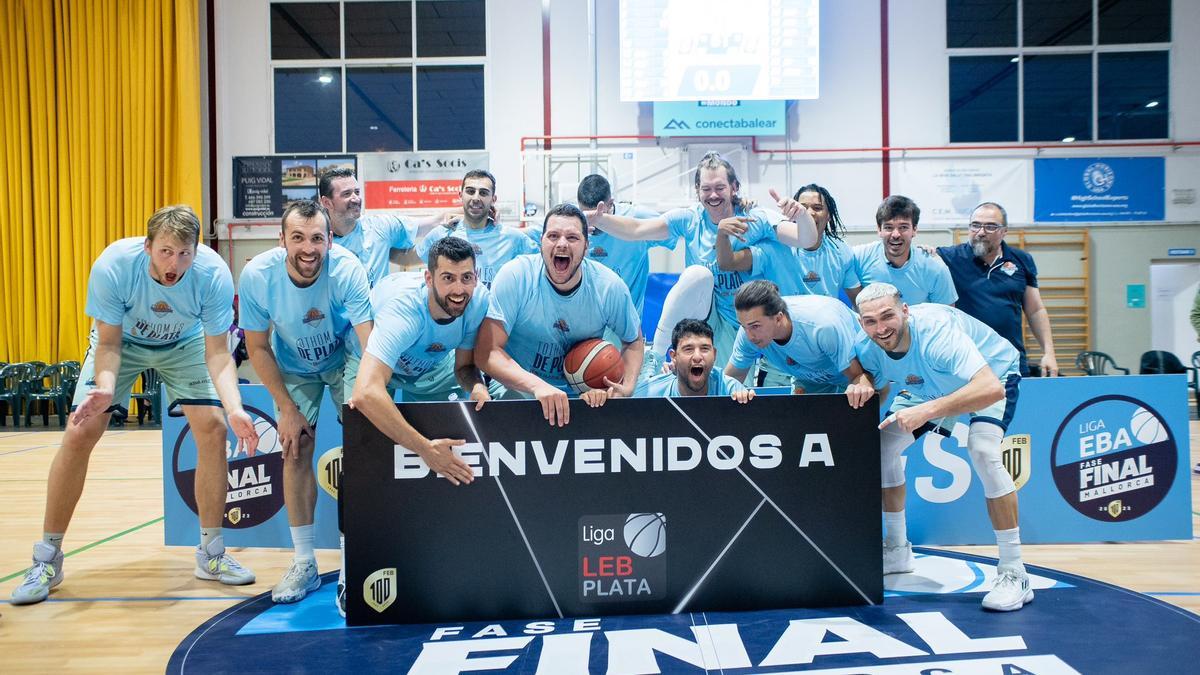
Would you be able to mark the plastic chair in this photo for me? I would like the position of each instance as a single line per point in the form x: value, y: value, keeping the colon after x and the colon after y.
x: 46, y: 387
x: 1159, y: 362
x: 12, y: 392
x: 1095, y: 363
x: 147, y: 400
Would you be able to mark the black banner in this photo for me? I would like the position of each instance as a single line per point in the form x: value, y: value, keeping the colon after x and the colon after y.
x: 642, y: 506
x: 264, y: 186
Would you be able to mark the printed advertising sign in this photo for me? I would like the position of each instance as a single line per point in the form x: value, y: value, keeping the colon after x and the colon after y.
x: 1081, y: 449
x: 264, y: 186
x: 950, y: 189
x: 1100, y: 189
x: 1090, y: 464
x: 672, y: 509
x: 720, y: 118
x: 416, y: 180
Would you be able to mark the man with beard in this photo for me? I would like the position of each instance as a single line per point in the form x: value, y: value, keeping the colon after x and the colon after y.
x: 370, y: 238
x: 542, y: 307
x: 955, y: 365
x: 995, y: 282
x: 920, y: 276
x: 705, y: 289
x: 494, y: 243
x: 807, y: 337
x: 163, y: 302
x: 694, y: 356
x: 297, y: 311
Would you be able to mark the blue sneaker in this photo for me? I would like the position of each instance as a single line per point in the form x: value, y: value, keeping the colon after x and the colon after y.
x: 46, y: 573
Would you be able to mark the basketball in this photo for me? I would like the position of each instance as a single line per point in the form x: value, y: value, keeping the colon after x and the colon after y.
x: 1146, y: 427
x: 646, y: 534
x: 589, y: 362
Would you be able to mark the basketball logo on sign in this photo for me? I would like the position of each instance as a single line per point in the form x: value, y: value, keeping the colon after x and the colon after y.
x: 646, y: 534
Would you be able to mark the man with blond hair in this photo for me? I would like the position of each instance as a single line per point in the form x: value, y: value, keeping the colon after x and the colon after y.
x: 162, y: 302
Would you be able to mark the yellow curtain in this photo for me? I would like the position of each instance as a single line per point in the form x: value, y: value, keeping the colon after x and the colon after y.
x: 99, y: 126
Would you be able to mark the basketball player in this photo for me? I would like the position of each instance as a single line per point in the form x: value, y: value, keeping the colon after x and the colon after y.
x: 921, y: 277
x: 828, y: 266
x: 162, y: 302
x: 370, y: 238
x: 298, y: 303
x: 956, y: 365
x: 807, y: 337
x: 705, y: 289
x: 541, y: 308
x: 694, y: 356
x: 494, y: 243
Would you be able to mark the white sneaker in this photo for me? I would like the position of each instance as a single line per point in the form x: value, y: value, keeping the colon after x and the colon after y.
x: 299, y: 580
x: 215, y: 564
x: 898, y: 559
x: 45, y: 573
x: 1011, y: 590
x: 341, y: 592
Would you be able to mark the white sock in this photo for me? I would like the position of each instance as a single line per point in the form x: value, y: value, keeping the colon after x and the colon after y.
x: 342, y: 565
x: 895, y: 528
x: 1009, y: 542
x: 54, y: 539
x: 209, y: 535
x: 302, y: 541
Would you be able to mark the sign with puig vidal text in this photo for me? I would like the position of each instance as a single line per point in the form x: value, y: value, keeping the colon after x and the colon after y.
x: 672, y: 509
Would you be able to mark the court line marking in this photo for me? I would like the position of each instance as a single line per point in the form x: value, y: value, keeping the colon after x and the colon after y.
x: 778, y: 510
x: 94, y: 544
x: 528, y: 547
x: 36, y: 447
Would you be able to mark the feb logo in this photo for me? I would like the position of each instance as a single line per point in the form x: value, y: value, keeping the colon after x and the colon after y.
x: 1114, y: 458
x: 254, y: 491
x: 379, y: 589
x: 313, y: 315
x: 622, y: 557
x: 161, y: 308
x: 1098, y: 178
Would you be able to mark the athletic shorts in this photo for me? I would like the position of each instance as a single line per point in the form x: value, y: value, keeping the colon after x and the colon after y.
x: 180, y: 366
x: 999, y: 413
x: 306, y: 391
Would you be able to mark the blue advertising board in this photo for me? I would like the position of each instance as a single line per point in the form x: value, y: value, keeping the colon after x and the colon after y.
x: 1094, y: 458
x: 1099, y: 189
x: 720, y: 118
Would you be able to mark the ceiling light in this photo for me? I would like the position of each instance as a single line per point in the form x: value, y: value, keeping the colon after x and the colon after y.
x: 325, y: 79
x: 374, y: 127
x: 1152, y: 104
x: 1069, y: 139
x: 1015, y: 59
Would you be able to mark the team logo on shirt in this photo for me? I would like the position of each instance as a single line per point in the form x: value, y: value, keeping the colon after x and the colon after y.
x: 791, y: 361
x: 561, y: 324
x: 914, y: 379
x: 812, y: 277
x: 1008, y: 268
x: 436, y: 347
x: 478, y: 251
x: 312, y: 316
x: 161, y: 308
x: 599, y: 252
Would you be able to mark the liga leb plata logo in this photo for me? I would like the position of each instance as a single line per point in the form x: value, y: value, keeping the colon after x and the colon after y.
x: 1017, y: 453
x: 379, y: 589
x: 329, y: 471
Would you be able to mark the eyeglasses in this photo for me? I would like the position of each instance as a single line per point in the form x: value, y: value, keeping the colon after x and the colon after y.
x: 990, y: 228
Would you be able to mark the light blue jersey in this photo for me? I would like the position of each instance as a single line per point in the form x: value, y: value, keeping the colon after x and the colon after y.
x: 494, y: 245
x: 543, y: 324
x: 121, y: 292
x: 308, y: 325
x: 699, y: 235
x: 629, y: 259
x: 372, y: 241
x: 924, y: 278
x: 407, y: 337
x: 829, y: 269
x: 948, y: 347
x: 666, y: 385
x: 824, y: 332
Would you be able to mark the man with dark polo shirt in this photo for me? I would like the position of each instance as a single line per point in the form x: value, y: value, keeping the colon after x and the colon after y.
x: 996, y: 282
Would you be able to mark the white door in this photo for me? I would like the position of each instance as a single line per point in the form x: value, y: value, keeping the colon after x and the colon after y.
x: 1173, y: 288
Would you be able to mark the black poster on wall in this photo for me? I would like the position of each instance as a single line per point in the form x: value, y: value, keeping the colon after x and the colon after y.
x: 642, y: 506
x: 264, y: 186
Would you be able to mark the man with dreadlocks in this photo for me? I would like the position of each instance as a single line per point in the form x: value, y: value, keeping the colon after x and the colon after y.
x: 828, y: 266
